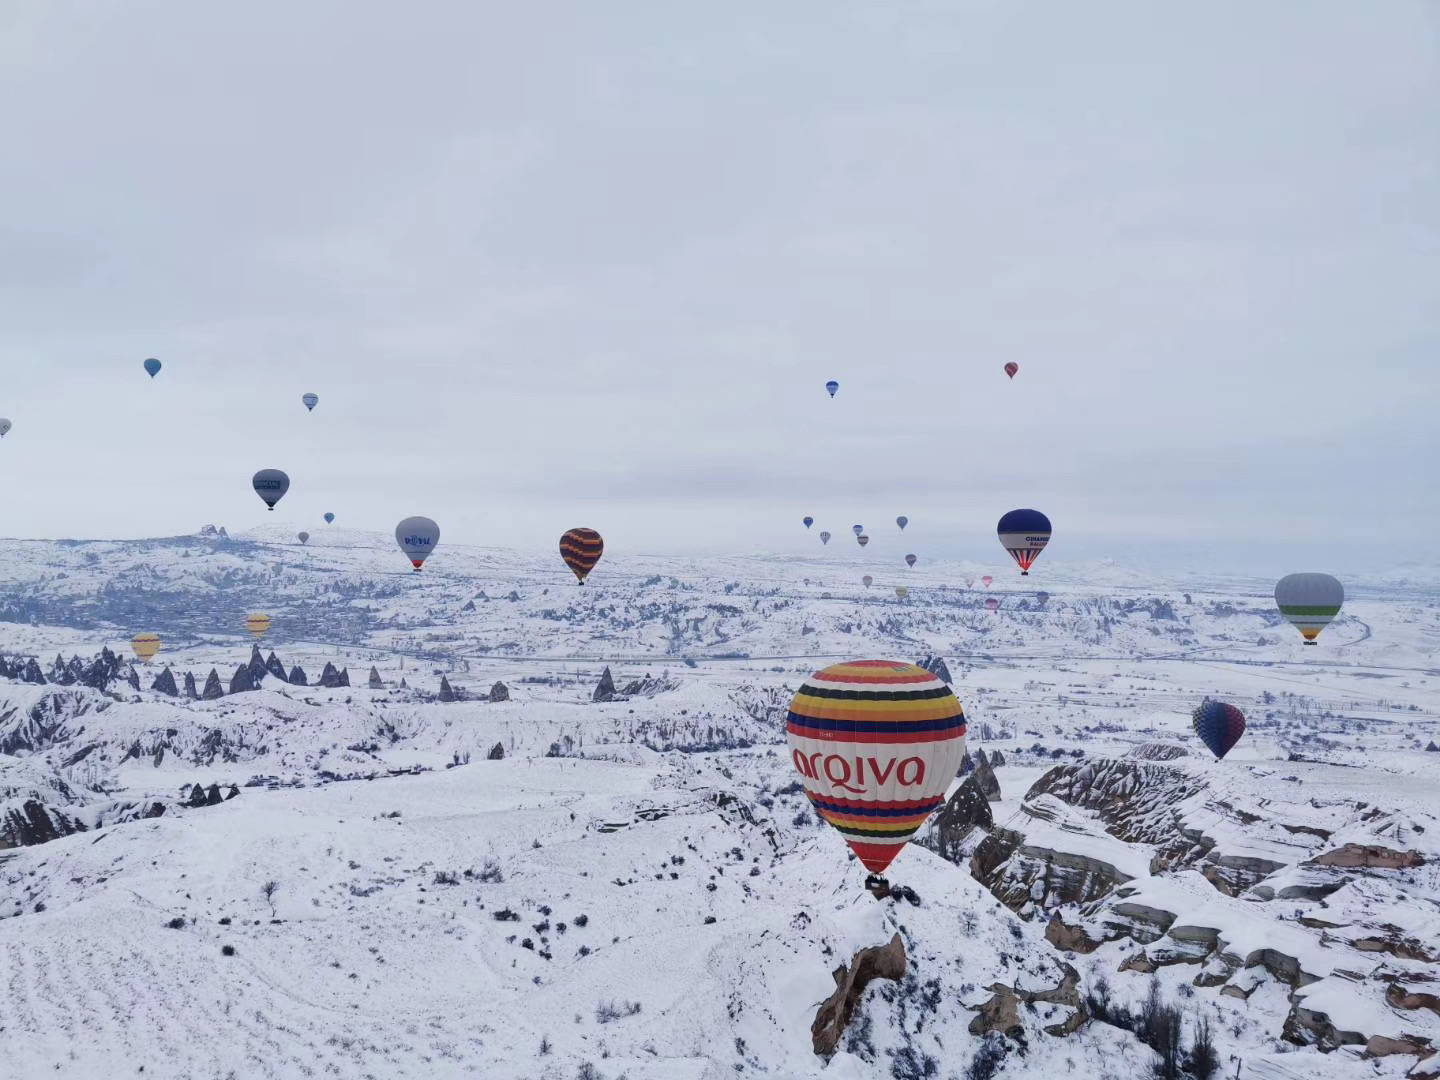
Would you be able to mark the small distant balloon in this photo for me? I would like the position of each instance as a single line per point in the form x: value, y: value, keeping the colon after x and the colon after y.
x: 270, y: 485
x: 832, y: 386
x: 862, y: 539
x: 1011, y: 368
x: 152, y: 366
x: 303, y: 537
x: 808, y: 520
x: 1309, y: 602
x: 310, y: 400
x: 257, y: 625
x: 857, y: 529
x: 1219, y: 726
x: 969, y: 582
x: 867, y: 581
x: 901, y: 591
x: 986, y: 580
x: 329, y: 519
x: 902, y: 521
x: 992, y: 604
x: 581, y: 549
x: 824, y: 538
x: 145, y: 646
x: 418, y: 538
x: 909, y: 560
x: 4, y: 427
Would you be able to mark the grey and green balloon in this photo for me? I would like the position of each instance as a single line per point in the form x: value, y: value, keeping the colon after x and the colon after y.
x: 1309, y: 602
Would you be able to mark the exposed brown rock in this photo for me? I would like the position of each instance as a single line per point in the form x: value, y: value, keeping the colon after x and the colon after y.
x: 1069, y: 938
x: 875, y: 962
x: 1001, y: 1013
x: 1369, y: 856
x: 1401, y: 998
x: 1139, y: 962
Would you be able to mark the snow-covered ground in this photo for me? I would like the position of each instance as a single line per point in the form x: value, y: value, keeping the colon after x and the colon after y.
x: 638, y: 886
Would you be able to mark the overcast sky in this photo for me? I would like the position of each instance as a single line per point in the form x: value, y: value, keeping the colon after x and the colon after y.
x: 550, y: 264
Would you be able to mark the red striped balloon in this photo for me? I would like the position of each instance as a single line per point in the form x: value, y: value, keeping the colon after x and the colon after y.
x: 876, y: 743
x: 581, y: 549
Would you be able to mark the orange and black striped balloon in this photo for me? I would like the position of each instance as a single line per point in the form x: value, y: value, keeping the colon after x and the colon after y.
x: 581, y: 549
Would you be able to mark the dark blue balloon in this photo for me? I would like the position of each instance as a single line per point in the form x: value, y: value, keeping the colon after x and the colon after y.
x: 1024, y: 521
x: 329, y: 518
x: 832, y: 386
x: 808, y: 521
x: 152, y: 366
x: 1219, y: 726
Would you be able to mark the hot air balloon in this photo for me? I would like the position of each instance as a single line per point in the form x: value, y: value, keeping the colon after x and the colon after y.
x: 152, y: 366
x: 310, y: 401
x: 808, y: 520
x: 832, y: 386
x: 1219, y: 726
x: 581, y: 549
x: 145, y: 646
x: 867, y: 581
x: 876, y: 743
x: 329, y: 518
x: 824, y: 538
x: 270, y: 485
x: 4, y: 427
x: 902, y: 521
x: 303, y: 537
x: 857, y: 529
x: 909, y: 560
x: 986, y: 580
x: 1024, y: 534
x: 417, y: 537
x: 257, y: 625
x: 862, y: 539
x: 1011, y: 368
x: 969, y: 582
x: 1309, y: 602
x: 992, y: 604
x: 901, y: 591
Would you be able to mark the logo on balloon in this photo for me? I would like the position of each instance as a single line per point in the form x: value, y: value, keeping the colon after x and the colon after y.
x: 909, y: 772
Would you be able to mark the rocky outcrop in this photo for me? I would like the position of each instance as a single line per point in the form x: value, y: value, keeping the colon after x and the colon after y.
x: 257, y: 668
x: 190, y: 691
x: 936, y: 666
x: 876, y: 962
x: 499, y: 692
x: 446, y: 692
x: 1369, y: 856
x: 985, y: 778
x: 274, y: 667
x: 497, y: 752
x: 1001, y: 1013
x: 605, y: 689
x: 164, y: 683
x: 298, y: 677
x: 52, y: 719
x: 213, y: 690
x: 1024, y: 877
x: 330, y: 678
x: 242, y: 681
x: 375, y: 683
x: 1159, y: 751
x: 960, y: 815
x: 32, y: 822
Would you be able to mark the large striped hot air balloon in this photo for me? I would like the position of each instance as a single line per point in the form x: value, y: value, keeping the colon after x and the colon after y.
x: 145, y: 646
x: 270, y: 485
x: 1024, y: 534
x: 876, y: 743
x: 1219, y: 726
x: 418, y: 537
x: 581, y: 549
x: 257, y: 625
x: 1309, y: 602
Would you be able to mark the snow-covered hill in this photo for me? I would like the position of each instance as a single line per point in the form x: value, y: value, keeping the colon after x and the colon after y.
x: 392, y: 878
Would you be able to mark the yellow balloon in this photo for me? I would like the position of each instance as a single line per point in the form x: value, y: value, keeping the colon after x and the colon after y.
x: 145, y: 646
x: 901, y: 591
x: 257, y: 624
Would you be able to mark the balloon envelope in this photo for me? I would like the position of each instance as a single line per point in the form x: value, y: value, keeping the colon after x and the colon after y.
x: 862, y: 539
x: 417, y: 537
x: 310, y: 400
x: 857, y: 529
x: 1219, y: 726
x: 303, y: 537
x: 152, y: 366
x: 992, y: 604
x: 329, y: 518
x: 1011, y: 368
x: 824, y: 538
x: 808, y: 520
x: 901, y: 591
x: 145, y: 646
x: 4, y: 427
x: 257, y: 624
x: 902, y: 521
x: 581, y: 549
x: 987, y: 579
x: 1024, y: 534
x: 1309, y: 602
x: 832, y: 386
x: 270, y: 485
x: 867, y: 581
x: 876, y: 743
x: 909, y: 560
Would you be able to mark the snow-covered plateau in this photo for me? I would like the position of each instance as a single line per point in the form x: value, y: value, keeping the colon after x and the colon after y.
x: 418, y: 830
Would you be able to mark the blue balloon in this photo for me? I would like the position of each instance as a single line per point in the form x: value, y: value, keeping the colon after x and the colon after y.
x: 857, y: 529
x: 310, y: 400
x: 809, y: 521
x: 152, y: 366
x: 832, y: 386
x: 1219, y: 725
x: 329, y: 518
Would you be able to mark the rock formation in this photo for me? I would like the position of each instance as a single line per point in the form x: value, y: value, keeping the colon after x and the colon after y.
x: 875, y: 962
x: 499, y: 692
x: 605, y: 690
